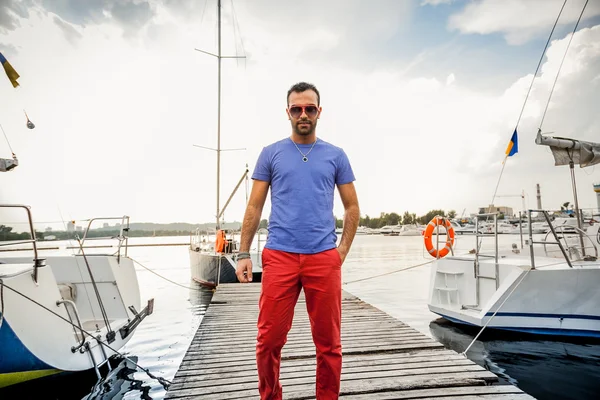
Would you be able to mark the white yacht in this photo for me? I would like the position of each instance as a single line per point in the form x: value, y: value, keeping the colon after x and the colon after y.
x: 548, y: 287
x: 390, y: 230
x: 65, y: 312
x: 411, y: 230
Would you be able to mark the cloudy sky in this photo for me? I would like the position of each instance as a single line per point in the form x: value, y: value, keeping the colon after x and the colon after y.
x: 422, y: 95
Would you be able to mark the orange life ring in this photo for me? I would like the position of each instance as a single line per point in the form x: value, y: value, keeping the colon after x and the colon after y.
x: 429, y: 237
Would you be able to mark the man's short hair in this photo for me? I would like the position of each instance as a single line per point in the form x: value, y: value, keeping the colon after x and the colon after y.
x: 302, y: 87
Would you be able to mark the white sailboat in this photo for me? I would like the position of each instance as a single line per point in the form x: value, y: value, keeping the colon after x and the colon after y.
x: 212, y: 254
x: 549, y: 287
x: 548, y: 290
x: 65, y: 312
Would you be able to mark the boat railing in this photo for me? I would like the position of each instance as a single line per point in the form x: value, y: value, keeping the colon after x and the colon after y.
x: 122, y: 237
x: 556, y: 231
x: 200, y: 238
x: 478, y: 254
x: 37, y: 262
x: 75, y: 326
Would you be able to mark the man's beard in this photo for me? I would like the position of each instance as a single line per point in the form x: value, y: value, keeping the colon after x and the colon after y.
x: 305, y: 131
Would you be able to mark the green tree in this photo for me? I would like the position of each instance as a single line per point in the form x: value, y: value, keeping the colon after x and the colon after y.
x: 366, y: 221
x: 429, y: 216
x: 381, y: 220
x: 374, y: 223
x: 392, y: 219
x: 5, y: 232
x: 408, y: 218
x: 452, y: 214
x: 263, y: 224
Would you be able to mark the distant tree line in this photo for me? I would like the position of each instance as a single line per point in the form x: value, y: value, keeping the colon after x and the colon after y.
x: 393, y: 218
x: 6, y: 233
x: 384, y: 219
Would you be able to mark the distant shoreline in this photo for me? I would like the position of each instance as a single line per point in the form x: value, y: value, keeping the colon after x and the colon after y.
x: 62, y: 235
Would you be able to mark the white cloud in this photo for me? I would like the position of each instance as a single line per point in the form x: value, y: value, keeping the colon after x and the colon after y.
x: 519, y: 21
x: 116, y: 120
x: 435, y: 2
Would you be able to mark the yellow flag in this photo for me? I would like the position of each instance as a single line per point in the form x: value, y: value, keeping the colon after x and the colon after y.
x: 10, y: 71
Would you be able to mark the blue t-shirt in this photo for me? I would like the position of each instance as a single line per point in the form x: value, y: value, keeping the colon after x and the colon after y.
x: 302, y: 193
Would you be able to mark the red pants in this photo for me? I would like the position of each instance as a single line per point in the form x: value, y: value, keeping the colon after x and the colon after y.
x: 283, y: 275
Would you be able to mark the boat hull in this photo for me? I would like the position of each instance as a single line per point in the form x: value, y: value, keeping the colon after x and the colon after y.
x: 18, y: 363
x: 551, y: 300
x: 210, y: 269
x: 37, y: 333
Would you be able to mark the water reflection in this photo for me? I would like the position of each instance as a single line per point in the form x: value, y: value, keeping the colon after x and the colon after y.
x: 159, y: 346
x: 64, y: 386
x: 119, y: 382
x: 567, y: 368
x: 200, y: 298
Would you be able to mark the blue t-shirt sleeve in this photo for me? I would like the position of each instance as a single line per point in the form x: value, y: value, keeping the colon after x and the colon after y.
x: 262, y: 171
x: 343, y: 173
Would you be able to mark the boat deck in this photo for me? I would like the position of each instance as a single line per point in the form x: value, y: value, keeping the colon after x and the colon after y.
x: 383, y: 357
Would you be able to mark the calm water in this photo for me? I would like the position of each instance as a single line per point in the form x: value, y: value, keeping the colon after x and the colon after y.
x: 545, y: 369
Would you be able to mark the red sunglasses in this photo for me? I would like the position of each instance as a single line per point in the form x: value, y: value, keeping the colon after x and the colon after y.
x: 296, y: 112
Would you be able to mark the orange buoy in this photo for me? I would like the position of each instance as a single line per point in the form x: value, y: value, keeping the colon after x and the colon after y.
x: 428, y: 234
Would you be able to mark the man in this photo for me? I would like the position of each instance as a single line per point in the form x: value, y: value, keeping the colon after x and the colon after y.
x: 301, y: 251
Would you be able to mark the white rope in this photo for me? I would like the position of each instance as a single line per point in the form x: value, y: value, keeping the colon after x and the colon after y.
x: 389, y: 273
x: 464, y: 353
x: 163, y: 277
x: 6, y: 137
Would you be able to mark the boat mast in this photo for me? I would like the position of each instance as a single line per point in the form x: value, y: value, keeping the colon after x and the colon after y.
x: 219, y: 117
x: 219, y: 57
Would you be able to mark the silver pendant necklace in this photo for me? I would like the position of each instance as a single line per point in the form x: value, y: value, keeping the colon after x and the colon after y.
x: 305, y: 156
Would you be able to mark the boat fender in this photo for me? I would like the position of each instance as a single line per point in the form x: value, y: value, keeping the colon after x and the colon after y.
x: 221, y: 241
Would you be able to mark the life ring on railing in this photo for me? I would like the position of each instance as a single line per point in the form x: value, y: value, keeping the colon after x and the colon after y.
x: 428, y: 235
x: 220, y: 241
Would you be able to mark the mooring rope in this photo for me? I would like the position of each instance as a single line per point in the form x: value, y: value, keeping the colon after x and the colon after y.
x: 389, y: 273
x: 164, y: 382
x: 164, y: 277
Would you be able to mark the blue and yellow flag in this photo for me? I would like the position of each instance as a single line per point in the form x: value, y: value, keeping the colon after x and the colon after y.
x: 10, y: 71
x: 513, y: 145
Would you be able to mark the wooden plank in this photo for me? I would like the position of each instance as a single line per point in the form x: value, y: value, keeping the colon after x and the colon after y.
x: 496, y: 391
x: 217, y: 372
x: 348, y: 361
x: 229, y: 378
x: 300, y: 387
x: 383, y: 358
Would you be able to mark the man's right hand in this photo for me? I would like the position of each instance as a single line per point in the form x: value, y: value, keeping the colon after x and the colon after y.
x: 244, y: 270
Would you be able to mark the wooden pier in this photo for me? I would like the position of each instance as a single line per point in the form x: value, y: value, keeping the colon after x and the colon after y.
x: 383, y: 357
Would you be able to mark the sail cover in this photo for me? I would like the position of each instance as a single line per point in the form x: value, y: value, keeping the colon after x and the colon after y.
x: 564, y: 150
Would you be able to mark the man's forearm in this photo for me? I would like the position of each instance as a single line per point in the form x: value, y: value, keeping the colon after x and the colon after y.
x: 351, y: 218
x: 249, y: 227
